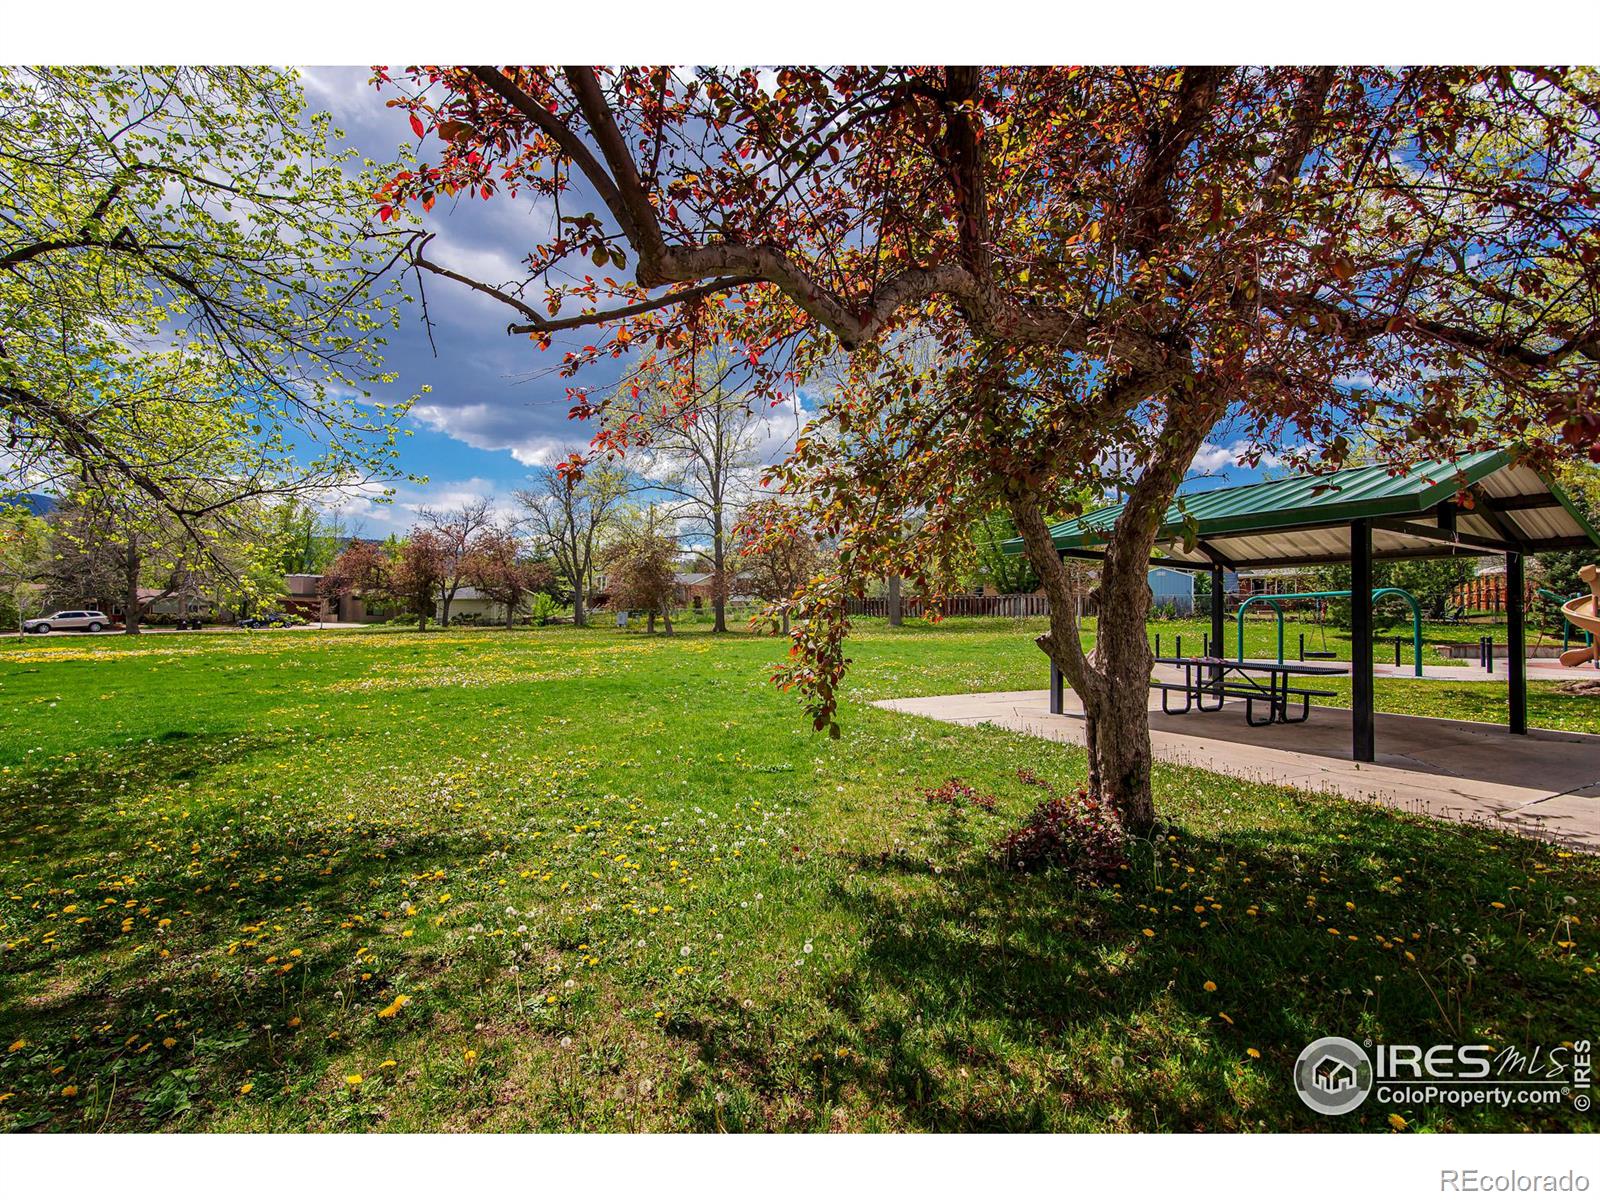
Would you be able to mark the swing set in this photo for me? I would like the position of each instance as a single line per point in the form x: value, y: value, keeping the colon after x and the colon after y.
x: 1377, y: 594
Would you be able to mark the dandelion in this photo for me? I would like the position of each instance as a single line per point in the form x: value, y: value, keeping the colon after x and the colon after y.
x: 70, y: 1090
x: 393, y: 1008
x: 16, y: 1045
x: 169, y: 1042
x: 1209, y: 986
x: 1469, y: 960
x: 1252, y: 1052
x: 246, y: 1088
x: 471, y: 1056
x: 1396, y: 1122
x: 1148, y: 932
x: 388, y: 1064
x: 353, y: 1080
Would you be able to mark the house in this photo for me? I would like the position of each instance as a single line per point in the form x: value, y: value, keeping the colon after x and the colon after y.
x: 697, y: 589
x: 471, y: 606
x: 1172, y: 590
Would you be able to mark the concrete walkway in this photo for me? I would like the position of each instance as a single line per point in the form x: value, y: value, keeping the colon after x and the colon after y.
x: 1545, y: 784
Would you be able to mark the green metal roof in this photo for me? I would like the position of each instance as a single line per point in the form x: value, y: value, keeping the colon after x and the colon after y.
x: 1246, y: 516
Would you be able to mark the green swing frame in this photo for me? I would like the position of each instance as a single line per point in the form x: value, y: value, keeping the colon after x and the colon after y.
x: 1377, y: 594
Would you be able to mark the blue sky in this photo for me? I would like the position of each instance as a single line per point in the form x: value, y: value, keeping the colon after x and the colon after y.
x: 497, y: 406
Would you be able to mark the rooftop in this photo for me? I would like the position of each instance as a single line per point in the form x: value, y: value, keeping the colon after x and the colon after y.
x: 1495, y: 503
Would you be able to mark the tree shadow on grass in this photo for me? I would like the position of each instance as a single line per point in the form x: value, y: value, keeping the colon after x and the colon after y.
x: 254, y: 948
x: 979, y: 999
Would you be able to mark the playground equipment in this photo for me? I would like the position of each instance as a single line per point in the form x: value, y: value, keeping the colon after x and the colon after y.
x: 1377, y: 594
x: 1584, y: 613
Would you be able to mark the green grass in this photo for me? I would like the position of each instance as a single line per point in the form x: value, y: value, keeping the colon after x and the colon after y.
x: 623, y: 886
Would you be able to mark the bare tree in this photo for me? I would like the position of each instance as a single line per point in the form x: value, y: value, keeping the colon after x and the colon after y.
x: 704, y: 456
x: 569, y: 515
x: 457, y: 532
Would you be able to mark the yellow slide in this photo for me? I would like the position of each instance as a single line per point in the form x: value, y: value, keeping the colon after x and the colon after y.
x: 1584, y: 612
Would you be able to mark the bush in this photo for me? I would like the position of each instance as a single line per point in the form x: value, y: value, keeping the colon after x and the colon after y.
x: 541, y: 607
x: 1072, y: 834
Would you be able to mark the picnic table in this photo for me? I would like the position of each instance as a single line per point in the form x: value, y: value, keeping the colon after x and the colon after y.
x: 1209, y: 682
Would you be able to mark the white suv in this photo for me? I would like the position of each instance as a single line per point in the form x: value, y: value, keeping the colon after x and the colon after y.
x: 88, y: 619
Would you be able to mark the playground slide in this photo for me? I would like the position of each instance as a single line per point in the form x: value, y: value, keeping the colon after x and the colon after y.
x: 1584, y: 612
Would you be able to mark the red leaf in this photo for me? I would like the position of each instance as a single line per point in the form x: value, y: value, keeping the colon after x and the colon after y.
x: 416, y: 124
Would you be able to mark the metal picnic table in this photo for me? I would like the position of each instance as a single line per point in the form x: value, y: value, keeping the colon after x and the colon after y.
x: 1209, y: 682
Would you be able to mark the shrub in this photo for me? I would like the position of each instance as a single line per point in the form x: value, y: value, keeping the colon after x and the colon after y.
x: 1073, y: 834
x: 957, y: 794
x: 541, y: 607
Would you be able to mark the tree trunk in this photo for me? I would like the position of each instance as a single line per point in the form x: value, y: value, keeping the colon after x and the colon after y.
x: 511, y: 615
x: 578, y: 618
x: 666, y: 621
x: 893, y: 583
x: 130, y: 594
x: 444, y: 607
x: 1115, y: 688
x: 719, y: 583
x: 650, y: 621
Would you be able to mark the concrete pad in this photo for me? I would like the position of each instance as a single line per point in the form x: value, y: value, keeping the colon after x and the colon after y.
x: 1545, y: 784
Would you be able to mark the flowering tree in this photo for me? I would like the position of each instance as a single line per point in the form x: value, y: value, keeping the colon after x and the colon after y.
x: 407, y: 573
x: 499, y: 567
x: 187, y: 255
x: 1103, y: 264
x: 640, y: 567
x: 776, y: 559
x: 459, y: 534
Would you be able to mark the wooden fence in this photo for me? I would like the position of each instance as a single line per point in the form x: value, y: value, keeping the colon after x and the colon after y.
x: 1022, y: 605
x: 1486, y: 593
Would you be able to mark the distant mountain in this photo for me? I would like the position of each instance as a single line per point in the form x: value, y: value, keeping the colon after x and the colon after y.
x: 36, y: 503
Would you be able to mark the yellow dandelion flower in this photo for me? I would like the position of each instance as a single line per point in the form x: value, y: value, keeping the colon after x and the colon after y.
x: 353, y: 1080
x: 471, y: 1056
x: 70, y: 1090
x: 1148, y: 932
x: 16, y: 1045
x: 246, y: 1088
x: 387, y: 1064
x: 1252, y: 1052
x: 1209, y: 986
x: 1396, y: 1122
x: 169, y: 1042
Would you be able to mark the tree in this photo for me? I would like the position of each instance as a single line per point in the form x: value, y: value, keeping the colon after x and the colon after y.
x: 500, y: 568
x: 111, y: 547
x: 641, y: 566
x: 777, y: 569
x: 1106, y: 262
x: 24, y: 548
x: 360, y: 569
x: 416, y: 572
x: 185, y: 254
x: 704, y: 457
x: 569, y: 513
x: 1006, y: 574
x: 457, y: 534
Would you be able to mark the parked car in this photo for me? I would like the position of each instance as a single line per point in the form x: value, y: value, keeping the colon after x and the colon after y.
x: 88, y: 619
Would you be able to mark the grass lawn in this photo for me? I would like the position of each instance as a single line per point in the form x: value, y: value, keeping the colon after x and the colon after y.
x: 567, y: 879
